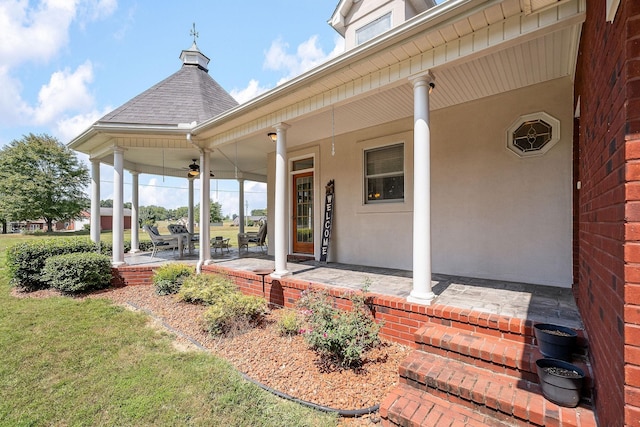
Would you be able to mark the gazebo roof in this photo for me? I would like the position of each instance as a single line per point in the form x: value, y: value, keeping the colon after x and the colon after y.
x: 188, y: 95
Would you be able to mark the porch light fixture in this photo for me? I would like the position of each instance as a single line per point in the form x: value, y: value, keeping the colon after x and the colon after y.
x: 194, y: 170
x: 273, y: 136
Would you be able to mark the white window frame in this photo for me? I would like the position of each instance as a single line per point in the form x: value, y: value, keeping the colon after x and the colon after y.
x: 373, y: 28
x: 612, y: 8
x: 402, y: 173
x: 548, y: 119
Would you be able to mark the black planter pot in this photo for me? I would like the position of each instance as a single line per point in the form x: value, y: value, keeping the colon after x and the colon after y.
x: 561, y: 382
x: 554, y: 341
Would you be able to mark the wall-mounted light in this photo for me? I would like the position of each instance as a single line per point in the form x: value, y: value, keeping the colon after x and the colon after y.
x: 273, y: 136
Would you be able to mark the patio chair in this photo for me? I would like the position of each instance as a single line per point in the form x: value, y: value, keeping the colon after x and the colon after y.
x: 190, y: 238
x: 221, y: 243
x: 159, y: 241
x: 259, y: 238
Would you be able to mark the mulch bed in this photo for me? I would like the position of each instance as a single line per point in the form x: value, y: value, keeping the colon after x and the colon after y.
x: 281, y: 363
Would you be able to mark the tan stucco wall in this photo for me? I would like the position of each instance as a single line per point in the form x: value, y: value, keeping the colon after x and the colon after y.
x: 494, y: 215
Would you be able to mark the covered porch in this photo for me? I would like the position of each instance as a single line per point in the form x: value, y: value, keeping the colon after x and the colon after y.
x: 528, y: 302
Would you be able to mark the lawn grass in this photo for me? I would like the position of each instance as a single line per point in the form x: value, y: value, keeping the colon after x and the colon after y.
x: 90, y: 362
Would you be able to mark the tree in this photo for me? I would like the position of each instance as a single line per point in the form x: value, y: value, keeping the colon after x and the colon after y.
x: 146, y: 216
x: 215, y: 214
x: 258, y: 212
x: 106, y: 203
x: 41, y: 179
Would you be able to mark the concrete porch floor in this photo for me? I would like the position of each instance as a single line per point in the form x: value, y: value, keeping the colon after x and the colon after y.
x: 537, y: 303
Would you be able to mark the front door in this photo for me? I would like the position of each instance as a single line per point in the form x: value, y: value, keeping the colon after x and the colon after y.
x: 303, y: 213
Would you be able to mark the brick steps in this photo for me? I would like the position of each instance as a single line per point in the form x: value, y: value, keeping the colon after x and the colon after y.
x: 484, y: 370
x: 424, y: 409
x: 500, y: 355
x: 486, y: 392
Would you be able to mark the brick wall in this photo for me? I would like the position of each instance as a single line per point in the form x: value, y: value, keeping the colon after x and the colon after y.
x: 131, y: 276
x: 400, y: 318
x: 608, y: 283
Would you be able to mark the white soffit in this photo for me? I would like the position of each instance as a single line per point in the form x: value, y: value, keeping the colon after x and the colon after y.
x: 487, y: 51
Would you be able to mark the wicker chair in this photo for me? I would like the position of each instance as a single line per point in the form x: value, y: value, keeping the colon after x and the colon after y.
x: 259, y: 238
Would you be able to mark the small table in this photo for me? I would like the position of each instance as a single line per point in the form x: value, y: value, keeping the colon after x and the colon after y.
x: 220, y: 243
x: 263, y: 272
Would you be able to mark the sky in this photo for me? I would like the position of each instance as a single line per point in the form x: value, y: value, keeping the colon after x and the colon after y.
x: 66, y: 63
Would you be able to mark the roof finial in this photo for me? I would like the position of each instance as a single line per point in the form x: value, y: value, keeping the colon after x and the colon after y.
x: 194, y: 33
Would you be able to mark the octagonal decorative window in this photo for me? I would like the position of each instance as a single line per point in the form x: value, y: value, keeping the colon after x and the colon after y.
x: 533, y: 134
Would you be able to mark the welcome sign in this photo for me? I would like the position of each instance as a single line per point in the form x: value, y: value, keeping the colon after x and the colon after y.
x: 327, y: 220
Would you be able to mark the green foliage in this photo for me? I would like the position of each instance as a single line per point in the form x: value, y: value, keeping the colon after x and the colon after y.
x: 289, y: 322
x: 26, y: 260
x: 40, y: 178
x: 77, y: 272
x: 168, y: 278
x: 215, y: 213
x: 345, y: 335
x: 234, y: 312
x: 70, y: 362
x: 206, y: 288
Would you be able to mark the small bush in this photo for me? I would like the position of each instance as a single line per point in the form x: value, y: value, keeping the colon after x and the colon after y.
x: 289, y: 323
x: 26, y: 260
x: 169, y: 278
x: 234, y: 313
x: 345, y: 335
x: 206, y: 288
x: 77, y: 272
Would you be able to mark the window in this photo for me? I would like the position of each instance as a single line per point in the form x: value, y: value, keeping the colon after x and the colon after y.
x: 384, y: 174
x: 303, y: 164
x: 533, y: 134
x: 374, y: 28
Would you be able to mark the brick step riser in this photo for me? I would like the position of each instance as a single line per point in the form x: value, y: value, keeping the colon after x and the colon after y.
x: 518, y: 363
x: 476, y: 402
x: 504, y: 409
x: 514, y: 330
x: 406, y: 406
x: 487, y: 394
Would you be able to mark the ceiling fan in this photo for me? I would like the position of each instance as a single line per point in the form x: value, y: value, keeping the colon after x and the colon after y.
x: 194, y: 170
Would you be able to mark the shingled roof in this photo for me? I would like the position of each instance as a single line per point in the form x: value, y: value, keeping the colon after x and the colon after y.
x: 188, y: 95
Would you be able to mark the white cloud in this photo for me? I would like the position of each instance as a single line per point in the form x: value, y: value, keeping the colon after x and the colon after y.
x: 13, y: 109
x: 94, y: 10
x: 167, y: 194
x: 251, y: 91
x: 33, y: 33
x: 67, y: 128
x: 66, y: 91
x: 307, y: 56
x: 121, y: 32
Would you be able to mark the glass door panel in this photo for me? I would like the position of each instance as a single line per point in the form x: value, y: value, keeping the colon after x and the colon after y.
x: 303, y: 213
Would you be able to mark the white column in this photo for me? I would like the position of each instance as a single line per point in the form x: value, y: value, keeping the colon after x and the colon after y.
x: 241, y: 212
x: 421, y: 292
x: 118, y: 206
x: 95, y: 201
x: 280, y: 214
x: 205, y: 209
x: 135, y: 227
x: 190, y: 206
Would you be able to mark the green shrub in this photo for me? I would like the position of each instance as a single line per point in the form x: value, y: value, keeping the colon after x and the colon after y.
x: 145, y: 245
x: 234, y: 312
x: 206, y: 288
x: 26, y: 260
x: 77, y: 272
x: 345, y: 335
x: 289, y: 323
x: 106, y: 248
x: 168, y: 278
